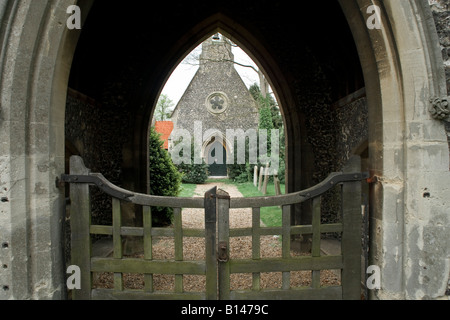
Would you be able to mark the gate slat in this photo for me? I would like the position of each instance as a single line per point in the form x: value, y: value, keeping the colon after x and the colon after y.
x: 286, y: 265
x: 286, y: 246
x: 256, y: 245
x: 117, y: 241
x: 223, y: 207
x: 210, y: 243
x: 315, y: 250
x: 148, y: 246
x: 80, y: 221
x: 130, y: 265
x: 327, y: 293
x: 351, y: 235
x: 178, y: 229
x: 108, y: 294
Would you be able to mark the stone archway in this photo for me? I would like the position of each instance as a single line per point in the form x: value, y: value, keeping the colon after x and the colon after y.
x: 408, y: 150
x: 401, y: 135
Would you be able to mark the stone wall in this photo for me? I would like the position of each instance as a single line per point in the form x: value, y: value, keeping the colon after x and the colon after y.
x: 90, y: 127
x: 97, y: 134
x: 441, y: 13
x: 352, y: 123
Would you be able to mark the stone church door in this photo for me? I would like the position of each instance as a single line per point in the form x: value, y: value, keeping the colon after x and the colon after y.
x: 217, y: 160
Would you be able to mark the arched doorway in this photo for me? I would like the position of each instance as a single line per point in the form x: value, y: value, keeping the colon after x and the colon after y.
x: 216, y: 155
x: 396, y: 62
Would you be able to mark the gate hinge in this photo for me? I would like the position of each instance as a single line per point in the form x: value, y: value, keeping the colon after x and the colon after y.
x: 373, y: 179
x: 59, y: 183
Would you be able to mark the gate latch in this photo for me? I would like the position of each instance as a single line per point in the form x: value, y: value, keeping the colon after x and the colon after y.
x: 223, y: 252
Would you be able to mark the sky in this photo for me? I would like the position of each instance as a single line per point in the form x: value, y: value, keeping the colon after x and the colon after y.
x: 183, y: 74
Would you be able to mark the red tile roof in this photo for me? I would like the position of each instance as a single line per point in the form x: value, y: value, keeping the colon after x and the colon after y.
x: 165, y: 129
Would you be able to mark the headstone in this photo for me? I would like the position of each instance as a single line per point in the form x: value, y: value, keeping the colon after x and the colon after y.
x: 266, y: 179
x: 255, y: 176
x: 261, y: 174
x: 276, y: 181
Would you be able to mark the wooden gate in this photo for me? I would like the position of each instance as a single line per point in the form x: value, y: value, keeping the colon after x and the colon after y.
x: 217, y: 266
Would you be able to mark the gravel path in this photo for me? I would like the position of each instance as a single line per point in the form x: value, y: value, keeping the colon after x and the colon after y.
x: 240, y: 248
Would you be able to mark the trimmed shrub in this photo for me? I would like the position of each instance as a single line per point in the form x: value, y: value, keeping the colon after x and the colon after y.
x: 165, y: 180
x: 191, y: 172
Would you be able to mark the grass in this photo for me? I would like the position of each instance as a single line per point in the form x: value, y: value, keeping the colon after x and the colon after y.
x: 270, y: 216
x: 187, y: 190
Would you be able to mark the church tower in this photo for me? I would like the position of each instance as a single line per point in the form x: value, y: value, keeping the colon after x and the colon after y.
x: 216, y: 100
x: 216, y: 53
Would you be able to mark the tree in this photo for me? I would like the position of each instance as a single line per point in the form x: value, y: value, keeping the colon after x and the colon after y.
x: 164, y: 108
x: 270, y: 118
x: 165, y: 180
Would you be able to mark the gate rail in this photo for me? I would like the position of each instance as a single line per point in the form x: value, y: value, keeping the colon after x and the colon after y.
x: 217, y: 266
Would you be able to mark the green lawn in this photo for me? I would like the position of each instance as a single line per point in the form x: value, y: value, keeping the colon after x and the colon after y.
x: 187, y: 190
x: 270, y: 216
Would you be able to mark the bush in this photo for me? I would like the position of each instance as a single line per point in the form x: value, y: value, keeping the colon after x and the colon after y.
x: 193, y: 173
x: 165, y: 180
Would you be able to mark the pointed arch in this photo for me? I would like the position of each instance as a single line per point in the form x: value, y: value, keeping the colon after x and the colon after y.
x: 408, y: 150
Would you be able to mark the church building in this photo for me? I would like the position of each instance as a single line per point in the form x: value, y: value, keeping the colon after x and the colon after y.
x: 216, y: 100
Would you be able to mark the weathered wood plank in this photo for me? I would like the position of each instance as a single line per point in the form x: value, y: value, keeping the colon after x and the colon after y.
x: 351, y: 234
x: 80, y: 221
x: 117, y: 229
x: 108, y: 294
x: 150, y: 200
x: 103, y: 230
x: 148, y: 245
x: 329, y: 228
x: 315, y: 250
x: 117, y: 241
x: 286, y: 245
x: 316, y: 227
x: 326, y: 293
x: 194, y: 233
x: 128, y: 265
x: 256, y: 245
x: 171, y: 202
x: 295, y: 230
x: 139, y: 232
x: 210, y: 243
x: 331, y: 181
x: 298, y: 230
x: 178, y: 229
x: 223, y: 205
x: 286, y: 265
x: 148, y: 240
x: 163, y: 232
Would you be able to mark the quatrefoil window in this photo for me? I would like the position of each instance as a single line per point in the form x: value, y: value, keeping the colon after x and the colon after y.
x: 217, y: 102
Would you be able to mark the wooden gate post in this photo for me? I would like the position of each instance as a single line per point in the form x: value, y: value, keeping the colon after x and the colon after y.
x: 210, y: 244
x: 351, y: 235
x: 223, y: 213
x: 80, y: 221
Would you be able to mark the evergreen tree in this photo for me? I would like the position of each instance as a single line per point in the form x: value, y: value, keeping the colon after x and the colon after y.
x: 165, y: 179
